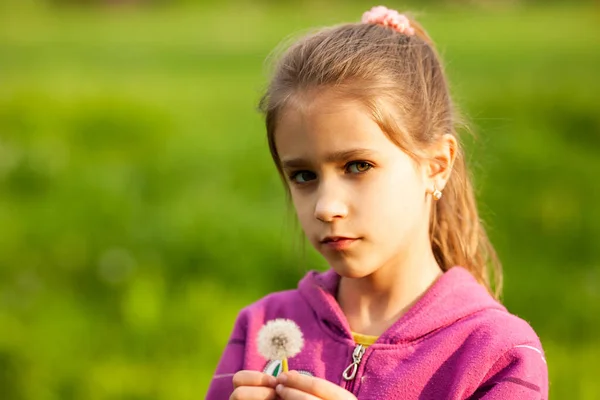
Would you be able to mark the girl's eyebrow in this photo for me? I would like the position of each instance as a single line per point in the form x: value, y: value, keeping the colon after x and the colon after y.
x: 333, y: 157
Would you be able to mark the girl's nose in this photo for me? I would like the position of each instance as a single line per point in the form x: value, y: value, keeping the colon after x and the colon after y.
x: 329, y: 207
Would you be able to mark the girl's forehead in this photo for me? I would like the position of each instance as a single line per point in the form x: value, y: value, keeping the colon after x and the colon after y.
x: 326, y: 121
x: 321, y: 108
x: 325, y: 126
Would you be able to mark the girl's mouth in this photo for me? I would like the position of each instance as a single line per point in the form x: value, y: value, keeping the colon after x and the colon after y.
x: 338, y: 242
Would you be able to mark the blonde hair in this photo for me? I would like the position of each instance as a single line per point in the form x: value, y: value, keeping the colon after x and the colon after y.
x: 393, y: 74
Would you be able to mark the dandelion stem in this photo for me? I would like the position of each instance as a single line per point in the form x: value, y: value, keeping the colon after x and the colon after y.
x: 284, y: 365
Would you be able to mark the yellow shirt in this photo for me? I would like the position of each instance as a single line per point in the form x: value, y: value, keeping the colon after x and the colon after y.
x: 365, y: 340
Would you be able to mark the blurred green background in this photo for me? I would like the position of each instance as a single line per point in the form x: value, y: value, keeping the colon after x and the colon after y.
x: 139, y: 208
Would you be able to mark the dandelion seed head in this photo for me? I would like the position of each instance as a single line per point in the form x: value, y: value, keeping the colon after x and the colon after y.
x: 279, y: 339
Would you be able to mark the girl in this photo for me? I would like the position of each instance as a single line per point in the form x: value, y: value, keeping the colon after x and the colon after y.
x: 362, y: 129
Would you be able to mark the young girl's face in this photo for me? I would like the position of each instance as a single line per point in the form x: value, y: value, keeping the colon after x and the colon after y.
x: 361, y: 200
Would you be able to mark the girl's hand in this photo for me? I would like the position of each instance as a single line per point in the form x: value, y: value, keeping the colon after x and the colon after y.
x: 253, y: 385
x: 294, y: 386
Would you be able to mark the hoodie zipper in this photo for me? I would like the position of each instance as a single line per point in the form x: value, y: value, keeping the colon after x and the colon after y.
x: 350, y: 372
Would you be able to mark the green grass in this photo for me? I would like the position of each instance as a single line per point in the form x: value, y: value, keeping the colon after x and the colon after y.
x: 139, y: 210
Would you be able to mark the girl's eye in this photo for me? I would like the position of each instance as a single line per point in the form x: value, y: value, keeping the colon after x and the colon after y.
x: 303, y: 176
x: 358, y: 167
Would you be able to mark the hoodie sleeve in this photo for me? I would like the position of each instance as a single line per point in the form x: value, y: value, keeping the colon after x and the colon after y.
x: 521, y: 373
x: 231, y: 362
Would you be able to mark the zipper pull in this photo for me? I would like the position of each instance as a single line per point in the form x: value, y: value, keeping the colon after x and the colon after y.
x: 350, y: 371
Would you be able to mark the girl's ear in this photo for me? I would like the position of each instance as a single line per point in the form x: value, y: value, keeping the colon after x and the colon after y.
x: 441, y: 159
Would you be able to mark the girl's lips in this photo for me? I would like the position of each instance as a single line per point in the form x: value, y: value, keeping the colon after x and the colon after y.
x: 339, y: 243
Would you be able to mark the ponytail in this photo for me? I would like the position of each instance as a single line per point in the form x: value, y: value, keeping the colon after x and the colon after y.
x: 458, y: 236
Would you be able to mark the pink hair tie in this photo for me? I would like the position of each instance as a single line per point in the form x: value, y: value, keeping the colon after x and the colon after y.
x: 384, y: 16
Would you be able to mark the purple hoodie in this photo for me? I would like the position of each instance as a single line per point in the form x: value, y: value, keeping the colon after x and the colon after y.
x: 456, y: 342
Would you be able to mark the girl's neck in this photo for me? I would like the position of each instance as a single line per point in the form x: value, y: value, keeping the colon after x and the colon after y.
x: 373, y: 303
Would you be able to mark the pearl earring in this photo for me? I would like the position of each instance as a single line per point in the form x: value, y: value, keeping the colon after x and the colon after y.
x: 436, y: 193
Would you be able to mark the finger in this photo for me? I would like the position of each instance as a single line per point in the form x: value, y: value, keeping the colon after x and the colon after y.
x: 253, y: 393
x: 317, y: 387
x: 289, y: 393
x: 253, y: 378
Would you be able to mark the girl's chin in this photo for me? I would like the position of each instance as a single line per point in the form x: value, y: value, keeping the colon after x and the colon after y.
x: 350, y: 271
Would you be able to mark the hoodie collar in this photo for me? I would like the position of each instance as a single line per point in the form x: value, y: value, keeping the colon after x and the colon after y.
x: 453, y: 296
